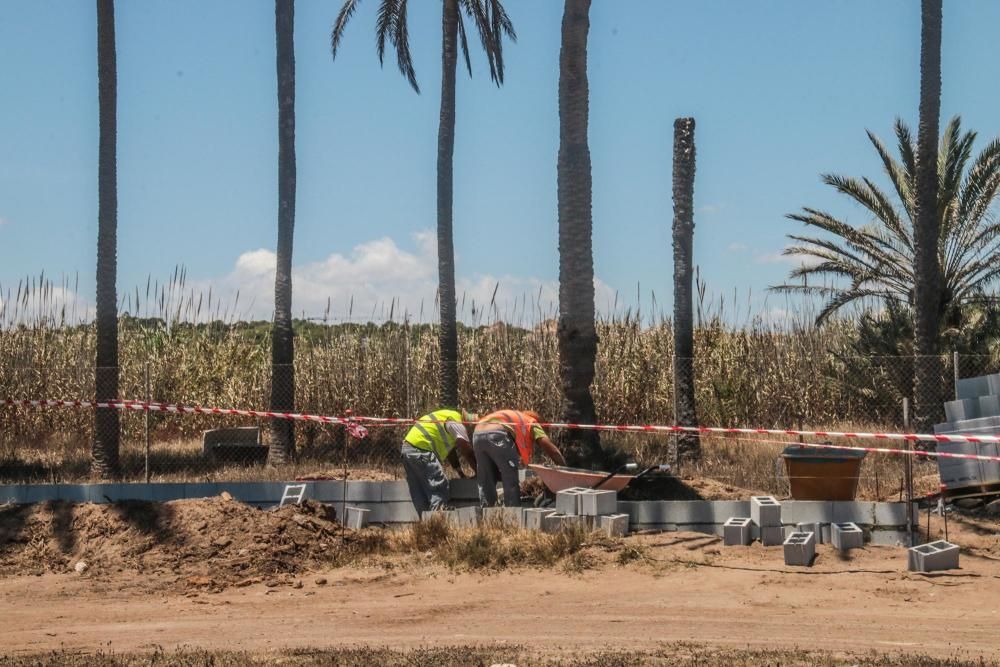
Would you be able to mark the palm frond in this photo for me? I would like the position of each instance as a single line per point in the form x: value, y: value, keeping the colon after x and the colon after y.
x: 337, y: 32
x: 385, y: 26
x: 477, y: 11
x: 464, y: 43
x: 898, y: 175
x: 401, y: 40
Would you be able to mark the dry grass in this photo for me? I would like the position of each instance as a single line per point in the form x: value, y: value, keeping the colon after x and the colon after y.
x: 672, y: 655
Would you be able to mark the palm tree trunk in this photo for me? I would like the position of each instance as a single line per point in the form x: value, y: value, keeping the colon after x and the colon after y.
x: 688, y: 445
x: 927, y: 293
x: 282, y: 442
x: 448, y: 342
x: 106, y: 426
x: 577, y: 331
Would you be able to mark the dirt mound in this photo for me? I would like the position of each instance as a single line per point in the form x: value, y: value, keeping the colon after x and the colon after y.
x: 213, y: 542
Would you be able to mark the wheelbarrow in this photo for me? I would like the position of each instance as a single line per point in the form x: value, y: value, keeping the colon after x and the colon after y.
x: 558, y: 478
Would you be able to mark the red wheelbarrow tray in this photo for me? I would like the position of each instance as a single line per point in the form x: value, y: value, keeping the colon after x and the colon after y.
x: 557, y: 478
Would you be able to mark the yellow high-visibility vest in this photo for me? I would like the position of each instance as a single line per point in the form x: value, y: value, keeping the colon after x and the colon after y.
x: 430, y: 434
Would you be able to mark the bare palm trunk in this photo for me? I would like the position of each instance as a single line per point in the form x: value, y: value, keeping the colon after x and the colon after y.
x: 445, y: 189
x: 927, y: 293
x: 282, y: 442
x: 106, y: 426
x: 577, y: 331
x: 684, y: 164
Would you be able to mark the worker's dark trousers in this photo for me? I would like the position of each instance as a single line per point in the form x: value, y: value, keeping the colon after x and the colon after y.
x: 496, y: 456
x: 426, y: 479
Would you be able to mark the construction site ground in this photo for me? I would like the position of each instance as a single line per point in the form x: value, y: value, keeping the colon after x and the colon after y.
x: 216, y: 575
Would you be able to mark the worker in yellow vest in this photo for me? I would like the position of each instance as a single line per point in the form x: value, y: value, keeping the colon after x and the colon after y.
x: 436, y: 437
x: 501, y: 440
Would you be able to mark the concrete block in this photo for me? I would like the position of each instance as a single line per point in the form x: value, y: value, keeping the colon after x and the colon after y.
x: 329, y: 491
x: 800, y: 549
x: 12, y: 493
x: 38, y: 493
x: 553, y: 523
x: 468, y: 517
x: 845, y: 511
x: 989, y: 406
x: 511, y: 517
x: 892, y: 514
x: 395, y: 491
x: 963, y: 408
x: 78, y: 493
x: 737, y: 532
x: 806, y: 527
x: 357, y: 518
x: 614, y: 525
x: 595, y: 502
x: 364, y: 492
x: 651, y: 513
x: 389, y: 513
x: 765, y: 511
x: 579, y: 521
x: 973, y: 387
x: 934, y: 556
x: 533, y: 517
x: 568, y: 500
x: 993, y: 383
x: 806, y: 511
x: 771, y: 536
x: 166, y: 491
x: 845, y: 536
x: 888, y: 538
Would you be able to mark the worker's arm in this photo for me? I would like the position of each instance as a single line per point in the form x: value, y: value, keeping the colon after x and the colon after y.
x: 455, y: 463
x: 465, y: 449
x: 550, y: 450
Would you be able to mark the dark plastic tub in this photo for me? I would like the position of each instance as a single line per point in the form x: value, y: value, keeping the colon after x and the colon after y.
x: 822, y: 474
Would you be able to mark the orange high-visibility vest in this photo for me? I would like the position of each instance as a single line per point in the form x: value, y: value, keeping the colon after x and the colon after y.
x: 520, y: 424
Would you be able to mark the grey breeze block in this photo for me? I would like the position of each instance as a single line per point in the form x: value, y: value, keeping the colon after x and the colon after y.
x: 846, y: 536
x: 568, y: 500
x: 765, y: 511
x: 468, y: 517
x: 594, y: 502
x: 534, y: 516
x: 800, y: 549
x: 553, y: 523
x: 770, y: 536
x: 737, y: 532
x: 614, y: 525
x: 506, y: 516
x: 934, y: 556
x: 356, y: 517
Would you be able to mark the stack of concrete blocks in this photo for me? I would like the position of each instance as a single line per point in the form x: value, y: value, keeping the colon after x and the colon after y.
x: 737, y: 531
x: 578, y: 507
x: 846, y: 536
x: 356, y: 517
x: 765, y: 513
x: 976, y: 411
x: 800, y: 549
x: 934, y: 556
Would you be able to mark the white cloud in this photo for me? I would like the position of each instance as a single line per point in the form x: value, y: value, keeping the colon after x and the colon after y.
x: 712, y: 209
x: 736, y: 247
x: 4, y: 221
x: 379, y: 275
x: 781, y: 258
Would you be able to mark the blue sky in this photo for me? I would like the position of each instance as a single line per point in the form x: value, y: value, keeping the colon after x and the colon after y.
x: 781, y: 91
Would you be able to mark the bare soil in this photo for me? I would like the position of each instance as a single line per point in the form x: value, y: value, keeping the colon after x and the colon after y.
x: 163, y: 581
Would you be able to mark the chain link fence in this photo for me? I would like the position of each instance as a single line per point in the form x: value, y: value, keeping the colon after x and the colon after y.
x: 395, y: 375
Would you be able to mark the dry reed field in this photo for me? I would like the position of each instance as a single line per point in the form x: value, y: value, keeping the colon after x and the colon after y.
x: 188, y: 350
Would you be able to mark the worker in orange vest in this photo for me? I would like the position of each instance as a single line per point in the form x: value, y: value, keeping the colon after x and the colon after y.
x: 500, y: 441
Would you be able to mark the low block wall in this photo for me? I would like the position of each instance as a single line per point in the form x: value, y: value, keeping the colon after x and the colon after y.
x: 389, y: 503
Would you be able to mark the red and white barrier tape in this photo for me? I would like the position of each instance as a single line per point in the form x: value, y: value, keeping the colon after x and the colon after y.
x: 354, y: 423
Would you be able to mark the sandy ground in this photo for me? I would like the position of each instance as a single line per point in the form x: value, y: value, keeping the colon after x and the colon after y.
x: 685, y: 587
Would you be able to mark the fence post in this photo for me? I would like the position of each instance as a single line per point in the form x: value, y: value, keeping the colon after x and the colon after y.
x: 908, y: 471
x: 149, y: 399
x: 954, y: 367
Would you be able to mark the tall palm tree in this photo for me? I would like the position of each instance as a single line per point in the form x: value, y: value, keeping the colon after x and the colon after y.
x: 106, y: 426
x: 493, y: 24
x: 688, y: 445
x: 879, y: 260
x: 282, y: 444
x: 926, y: 373
x: 577, y: 331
